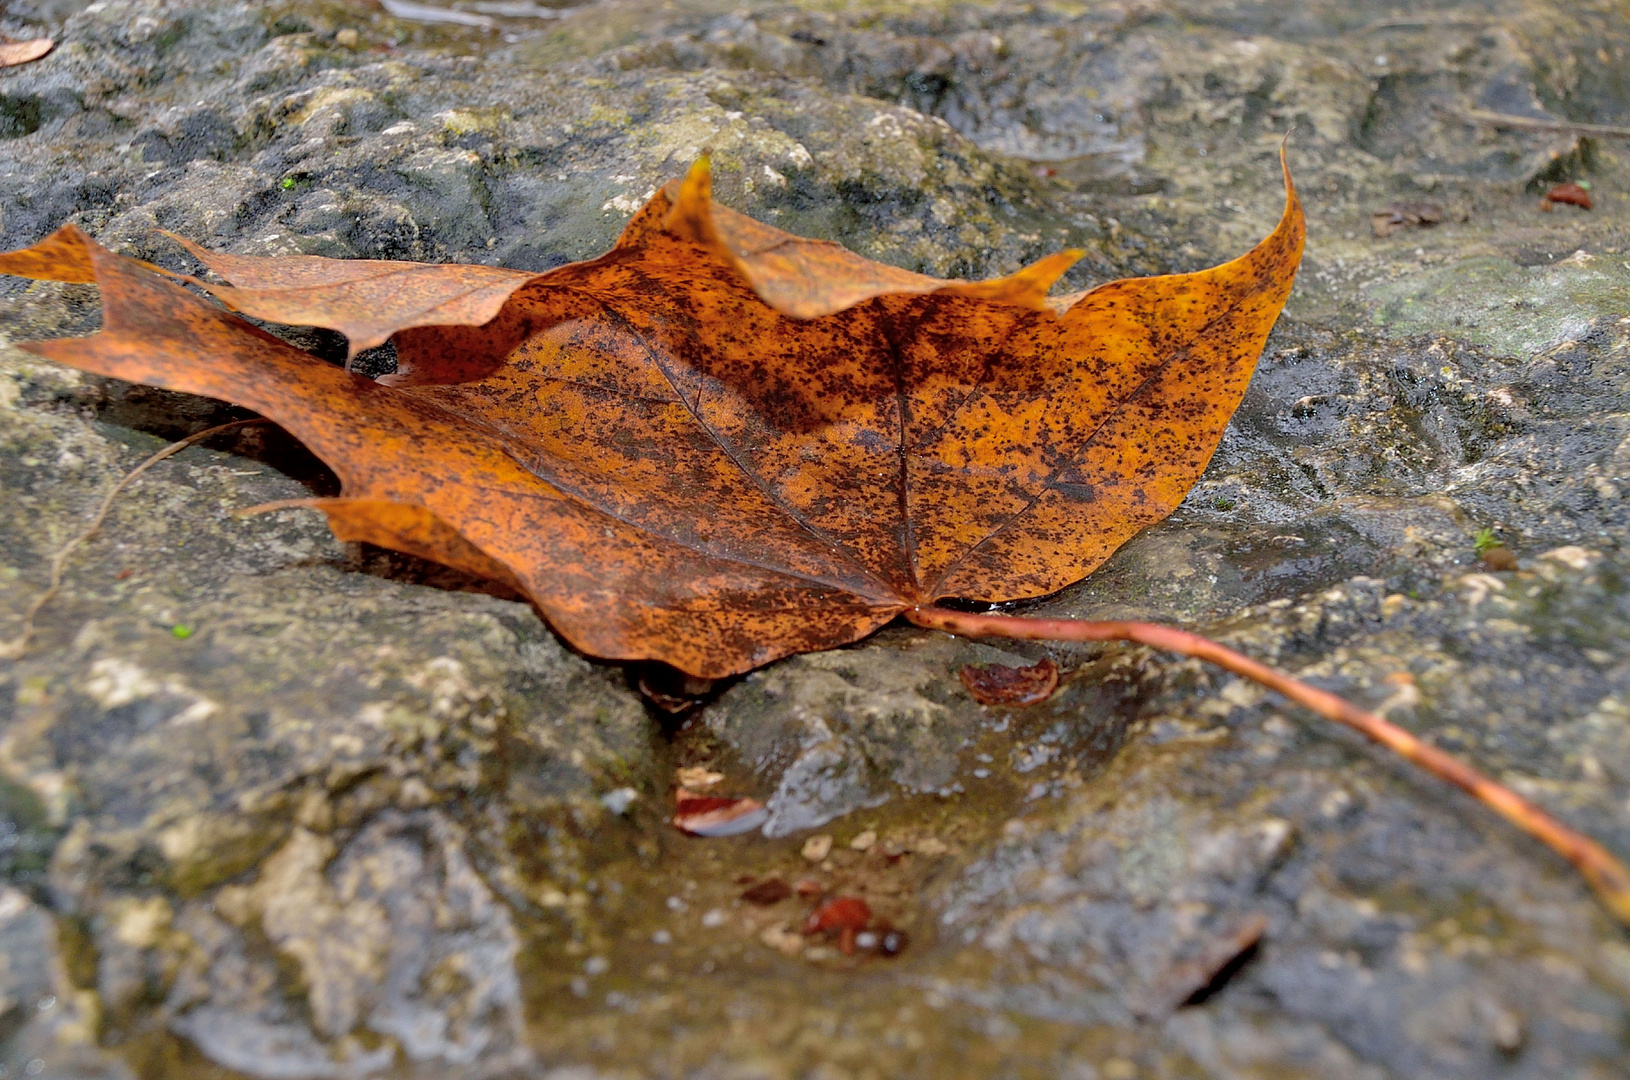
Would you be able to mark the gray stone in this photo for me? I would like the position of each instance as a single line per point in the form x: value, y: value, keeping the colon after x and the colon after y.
x: 47, y: 1025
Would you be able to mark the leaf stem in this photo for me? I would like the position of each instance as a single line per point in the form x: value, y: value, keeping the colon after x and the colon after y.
x: 1605, y: 873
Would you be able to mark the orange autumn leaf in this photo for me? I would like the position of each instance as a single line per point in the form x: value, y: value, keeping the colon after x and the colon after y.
x: 719, y: 444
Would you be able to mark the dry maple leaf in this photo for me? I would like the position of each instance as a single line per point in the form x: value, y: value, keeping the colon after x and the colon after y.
x: 719, y: 444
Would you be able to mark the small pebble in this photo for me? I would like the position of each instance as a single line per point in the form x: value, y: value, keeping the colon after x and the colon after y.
x: 817, y: 848
x: 697, y: 776
x: 662, y: 937
x: 864, y: 841
x: 347, y: 38
x: 783, y: 940
x: 714, y: 918
x: 596, y: 965
x: 620, y: 800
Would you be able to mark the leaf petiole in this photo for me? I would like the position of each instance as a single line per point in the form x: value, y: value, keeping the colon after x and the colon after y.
x: 1605, y: 873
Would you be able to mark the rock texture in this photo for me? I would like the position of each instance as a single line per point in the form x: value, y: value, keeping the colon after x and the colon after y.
x: 278, y: 808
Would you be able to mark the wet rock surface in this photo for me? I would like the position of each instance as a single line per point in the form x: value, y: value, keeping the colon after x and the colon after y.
x: 275, y: 807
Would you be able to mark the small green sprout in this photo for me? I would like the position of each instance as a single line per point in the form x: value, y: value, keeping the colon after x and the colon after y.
x: 1483, y: 539
x: 1224, y: 504
x: 181, y: 631
x: 288, y: 182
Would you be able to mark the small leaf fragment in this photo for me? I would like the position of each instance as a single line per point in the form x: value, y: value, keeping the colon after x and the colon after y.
x: 1572, y: 194
x: 716, y: 815
x: 999, y: 684
x: 839, y: 913
x: 13, y: 53
x: 767, y: 892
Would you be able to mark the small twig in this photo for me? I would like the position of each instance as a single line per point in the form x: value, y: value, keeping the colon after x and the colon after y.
x: 1183, y: 982
x: 1533, y: 123
x: 17, y: 646
x: 1600, y: 868
x: 1423, y: 22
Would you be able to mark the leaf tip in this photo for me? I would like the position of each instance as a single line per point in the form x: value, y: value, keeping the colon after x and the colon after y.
x: 195, y: 250
x: 62, y: 256
x: 691, y: 216
x: 1025, y: 288
x: 1284, y: 166
x: 696, y: 190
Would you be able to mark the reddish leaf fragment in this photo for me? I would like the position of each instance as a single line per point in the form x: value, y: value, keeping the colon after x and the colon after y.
x: 1572, y: 194
x: 1500, y: 559
x: 767, y: 892
x: 840, y: 913
x: 998, y: 684
x: 716, y: 815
